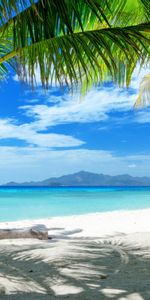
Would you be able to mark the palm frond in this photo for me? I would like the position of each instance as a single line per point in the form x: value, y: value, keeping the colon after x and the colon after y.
x: 146, y: 7
x: 90, y: 56
x: 5, y: 47
x: 10, y: 8
x: 76, y: 41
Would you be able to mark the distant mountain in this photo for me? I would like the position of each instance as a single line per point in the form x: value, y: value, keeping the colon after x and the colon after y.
x: 83, y: 178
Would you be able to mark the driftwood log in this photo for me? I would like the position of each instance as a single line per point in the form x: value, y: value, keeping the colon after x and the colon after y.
x: 27, y: 233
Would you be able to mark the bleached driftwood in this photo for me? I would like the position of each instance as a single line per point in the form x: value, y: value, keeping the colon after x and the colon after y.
x: 27, y: 233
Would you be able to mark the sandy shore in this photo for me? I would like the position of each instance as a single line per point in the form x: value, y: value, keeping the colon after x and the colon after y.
x: 94, y: 256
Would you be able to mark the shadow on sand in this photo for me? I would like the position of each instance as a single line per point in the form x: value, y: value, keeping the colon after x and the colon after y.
x: 74, y: 268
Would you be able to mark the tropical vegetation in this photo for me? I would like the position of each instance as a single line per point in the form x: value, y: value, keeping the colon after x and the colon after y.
x: 75, y: 42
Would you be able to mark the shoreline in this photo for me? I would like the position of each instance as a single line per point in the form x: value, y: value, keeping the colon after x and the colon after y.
x: 91, y: 224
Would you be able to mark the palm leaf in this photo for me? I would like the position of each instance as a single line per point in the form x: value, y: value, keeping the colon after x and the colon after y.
x: 76, y: 41
x: 92, y: 56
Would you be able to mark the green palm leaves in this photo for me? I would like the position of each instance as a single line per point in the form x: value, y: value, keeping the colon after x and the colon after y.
x: 72, y: 42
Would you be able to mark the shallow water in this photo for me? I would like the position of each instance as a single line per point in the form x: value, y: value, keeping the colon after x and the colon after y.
x: 35, y: 203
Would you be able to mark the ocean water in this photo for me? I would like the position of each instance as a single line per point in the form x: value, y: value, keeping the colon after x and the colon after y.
x: 35, y: 203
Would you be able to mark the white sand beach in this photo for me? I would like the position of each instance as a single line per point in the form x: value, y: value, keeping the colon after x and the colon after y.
x: 93, y: 256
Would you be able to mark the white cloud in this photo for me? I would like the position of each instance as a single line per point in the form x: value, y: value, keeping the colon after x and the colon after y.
x: 39, y: 162
x: 94, y: 107
x: 138, y: 75
x: 132, y: 166
x: 25, y: 164
x: 37, y: 80
x: 15, y: 77
x: 143, y: 116
x: 29, y: 134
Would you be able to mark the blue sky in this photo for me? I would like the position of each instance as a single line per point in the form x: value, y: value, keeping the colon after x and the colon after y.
x: 44, y: 134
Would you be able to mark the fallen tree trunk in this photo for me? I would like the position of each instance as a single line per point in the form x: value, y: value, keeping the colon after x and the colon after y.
x: 29, y: 233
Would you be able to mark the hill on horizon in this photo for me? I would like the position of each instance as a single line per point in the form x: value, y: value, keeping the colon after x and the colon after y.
x: 84, y: 178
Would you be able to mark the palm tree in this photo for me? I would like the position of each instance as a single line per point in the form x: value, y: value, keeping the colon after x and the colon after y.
x: 74, y: 42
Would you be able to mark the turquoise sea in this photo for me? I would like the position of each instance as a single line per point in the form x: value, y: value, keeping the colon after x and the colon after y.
x: 35, y: 203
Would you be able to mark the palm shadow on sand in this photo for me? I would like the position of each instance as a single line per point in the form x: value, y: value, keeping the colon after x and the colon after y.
x: 74, y: 268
